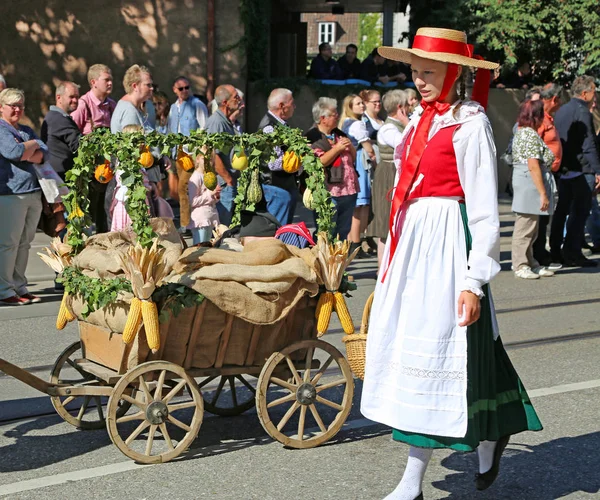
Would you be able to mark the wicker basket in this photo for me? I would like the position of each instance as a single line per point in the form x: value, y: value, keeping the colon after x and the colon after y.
x: 356, y: 343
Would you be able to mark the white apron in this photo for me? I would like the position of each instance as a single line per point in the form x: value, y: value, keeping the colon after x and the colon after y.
x: 416, y: 364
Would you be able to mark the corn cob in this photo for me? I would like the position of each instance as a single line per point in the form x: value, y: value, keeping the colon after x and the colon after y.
x: 63, y: 314
x: 134, y: 319
x: 150, y: 318
x: 342, y: 311
x: 324, y: 313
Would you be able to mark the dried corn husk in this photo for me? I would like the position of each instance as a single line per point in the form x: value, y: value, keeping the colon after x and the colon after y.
x: 145, y: 268
x: 333, y: 259
x: 57, y: 256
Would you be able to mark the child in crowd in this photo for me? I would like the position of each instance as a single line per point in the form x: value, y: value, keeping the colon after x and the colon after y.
x: 203, y: 206
x: 158, y: 207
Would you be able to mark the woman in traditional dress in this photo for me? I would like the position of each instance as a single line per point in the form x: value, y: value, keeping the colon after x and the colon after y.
x: 352, y: 124
x: 436, y: 370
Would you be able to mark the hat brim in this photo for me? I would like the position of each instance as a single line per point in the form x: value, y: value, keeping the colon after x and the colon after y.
x: 405, y: 56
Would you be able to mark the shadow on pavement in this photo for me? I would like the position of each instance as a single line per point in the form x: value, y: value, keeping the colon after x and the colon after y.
x: 543, y: 472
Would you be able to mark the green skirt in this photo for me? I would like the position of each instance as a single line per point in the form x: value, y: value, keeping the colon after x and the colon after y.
x: 497, y: 401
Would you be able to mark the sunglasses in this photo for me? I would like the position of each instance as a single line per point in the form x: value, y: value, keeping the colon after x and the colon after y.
x: 181, y: 89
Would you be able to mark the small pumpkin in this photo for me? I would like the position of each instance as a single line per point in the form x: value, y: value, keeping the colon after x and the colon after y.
x: 291, y: 162
x: 210, y: 180
x: 146, y: 159
x: 103, y: 172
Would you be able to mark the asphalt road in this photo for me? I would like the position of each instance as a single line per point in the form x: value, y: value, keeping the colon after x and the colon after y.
x: 552, y: 333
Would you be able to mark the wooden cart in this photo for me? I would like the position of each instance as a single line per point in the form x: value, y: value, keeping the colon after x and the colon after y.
x: 152, y: 405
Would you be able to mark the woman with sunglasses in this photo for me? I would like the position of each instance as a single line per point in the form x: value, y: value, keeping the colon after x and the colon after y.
x: 20, y: 197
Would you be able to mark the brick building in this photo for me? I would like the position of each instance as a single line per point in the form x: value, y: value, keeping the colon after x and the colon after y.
x: 337, y: 30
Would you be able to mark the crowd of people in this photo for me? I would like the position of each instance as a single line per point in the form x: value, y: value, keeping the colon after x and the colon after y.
x: 555, y: 159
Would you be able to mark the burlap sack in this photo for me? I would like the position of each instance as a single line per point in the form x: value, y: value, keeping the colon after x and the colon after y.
x: 112, y: 317
x: 99, y: 258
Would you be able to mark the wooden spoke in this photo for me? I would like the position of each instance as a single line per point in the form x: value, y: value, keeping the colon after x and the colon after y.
x: 134, y: 401
x: 181, y: 406
x: 73, y: 365
x: 165, y: 433
x: 329, y: 385
x: 305, y: 351
x: 150, y: 441
x: 84, y: 407
x: 169, y: 377
x: 138, y: 430
x: 233, y: 394
x: 317, y: 417
x: 178, y: 423
x: 246, y: 383
x: 68, y: 400
x: 285, y: 399
x: 330, y: 403
x: 145, y: 389
x: 309, y: 357
x: 99, y: 407
x: 129, y: 418
x: 288, y: 415
x: 206, y: 381
x: 293, y: 370
x: 174, y: 391
x: 218, y: 391
x: 283, y: 383
x: 301, y: 422
x: 159, y: 385
x: 321, y: 371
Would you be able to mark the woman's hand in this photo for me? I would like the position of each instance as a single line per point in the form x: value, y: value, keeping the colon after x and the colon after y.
x: 343, y: 143
x: 544, y: 202
x: 469, y: 308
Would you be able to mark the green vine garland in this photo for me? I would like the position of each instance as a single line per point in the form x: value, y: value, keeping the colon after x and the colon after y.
x: 124, y: 150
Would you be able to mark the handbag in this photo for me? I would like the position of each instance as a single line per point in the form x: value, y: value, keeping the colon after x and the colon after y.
x: 52, y: 219
x: 52, y: 185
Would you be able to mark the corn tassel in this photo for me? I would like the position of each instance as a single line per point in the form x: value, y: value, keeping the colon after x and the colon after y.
x: 342, y: 311
x: 64, y: 315
x: 324, y: 312
x: 134, y: 319
x: 150, y: 317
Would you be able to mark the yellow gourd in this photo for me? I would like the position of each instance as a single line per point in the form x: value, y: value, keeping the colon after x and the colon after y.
x: 291, y: 162
x: 184, y: 161
x: 307, y: 199
x: 150, y: 318
x: 75, y: 213
x: 239, y: 162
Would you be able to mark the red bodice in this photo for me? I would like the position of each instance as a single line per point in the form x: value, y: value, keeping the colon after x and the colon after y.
x: 437, y: 173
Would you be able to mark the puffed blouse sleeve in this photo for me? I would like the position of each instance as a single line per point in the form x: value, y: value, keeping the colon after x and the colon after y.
x: 476, y: 161
x: 358, y: 130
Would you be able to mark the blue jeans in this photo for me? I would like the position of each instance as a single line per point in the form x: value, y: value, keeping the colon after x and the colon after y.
x: 278, y: 202
x: 593, y: 221
x: 225, y: 204
x: 201, y: 234
x: 342, y: 216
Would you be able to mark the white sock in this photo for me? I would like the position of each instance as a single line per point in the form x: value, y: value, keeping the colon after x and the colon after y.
x: 485, y: 452
x: 410, y: 485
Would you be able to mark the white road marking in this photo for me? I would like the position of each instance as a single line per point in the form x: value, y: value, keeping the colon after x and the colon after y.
x: 107, y: 470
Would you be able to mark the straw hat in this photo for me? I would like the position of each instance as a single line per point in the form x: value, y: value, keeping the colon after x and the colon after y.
x: 438, y: 44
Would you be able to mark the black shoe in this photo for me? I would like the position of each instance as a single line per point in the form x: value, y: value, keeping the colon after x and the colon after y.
x: 586, y: 245
x: 485, y: 480
x: 595, y: 248
x: 579, y: 261
x: 371, y: 242
x: 362, y: 254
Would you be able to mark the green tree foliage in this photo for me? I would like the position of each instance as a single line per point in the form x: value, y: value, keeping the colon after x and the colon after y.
x: 561, y: 38
x: 370, y: 33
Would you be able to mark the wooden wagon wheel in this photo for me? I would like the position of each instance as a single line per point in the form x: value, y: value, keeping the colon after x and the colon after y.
x: 154, y: 410
x: 84, y: 412
x: 234, y: 400
x: 306, y: 395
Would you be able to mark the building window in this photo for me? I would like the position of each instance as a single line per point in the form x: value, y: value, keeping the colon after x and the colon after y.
x: 326, y: 33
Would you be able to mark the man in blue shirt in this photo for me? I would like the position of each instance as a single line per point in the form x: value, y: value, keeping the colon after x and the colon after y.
x: 188, y: 112
x: 579, y: 174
